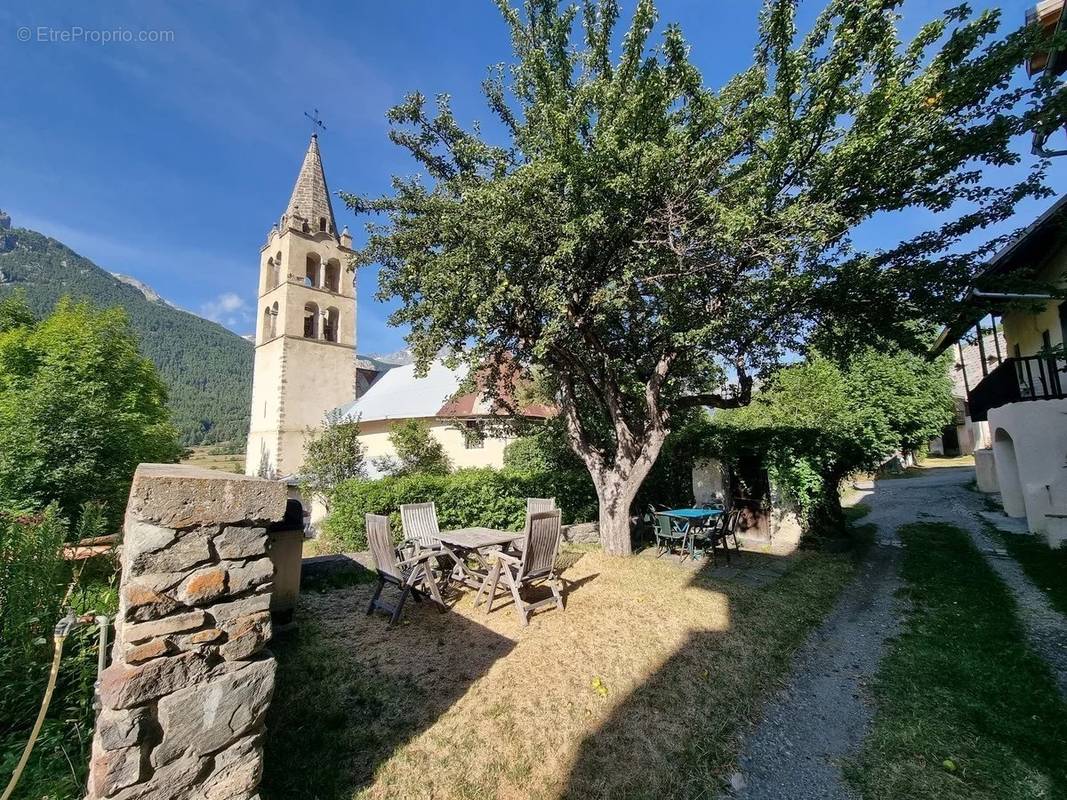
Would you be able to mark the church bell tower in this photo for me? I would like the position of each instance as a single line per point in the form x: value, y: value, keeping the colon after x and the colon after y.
x: 306, y: 330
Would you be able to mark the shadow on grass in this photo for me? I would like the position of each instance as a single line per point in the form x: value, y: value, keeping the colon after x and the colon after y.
x: 677, y: 734
x: 336, y: 718
x: 1046, y: 567
x: 353, y: 698
x: 351, y: 692
x: 964, y: 708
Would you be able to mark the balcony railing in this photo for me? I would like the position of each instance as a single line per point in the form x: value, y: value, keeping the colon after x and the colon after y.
x: 1019, y: 379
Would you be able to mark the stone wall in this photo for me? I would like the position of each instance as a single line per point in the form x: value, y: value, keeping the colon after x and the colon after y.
x: 582, y: 533
x: 183, y: 702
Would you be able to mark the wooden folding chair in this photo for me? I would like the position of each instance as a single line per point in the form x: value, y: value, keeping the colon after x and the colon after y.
x: 537, y: 505
x: 411, y: 576
x: 419, y: 521
x: 540, y: 546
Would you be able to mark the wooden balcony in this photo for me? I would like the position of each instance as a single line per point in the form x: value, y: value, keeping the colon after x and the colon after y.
x: 1019, y: 379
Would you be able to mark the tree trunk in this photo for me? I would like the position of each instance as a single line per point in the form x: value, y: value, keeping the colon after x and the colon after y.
x: 615, y: 504
x: 616, y: 488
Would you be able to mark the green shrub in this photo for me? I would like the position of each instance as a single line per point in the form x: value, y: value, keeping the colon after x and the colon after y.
x: 32, y: 581
x: 34, y: 584
x: 543, y: 452
x: 468, y: 497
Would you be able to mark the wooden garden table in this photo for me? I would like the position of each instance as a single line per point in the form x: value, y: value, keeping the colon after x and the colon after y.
x: 468, y: 543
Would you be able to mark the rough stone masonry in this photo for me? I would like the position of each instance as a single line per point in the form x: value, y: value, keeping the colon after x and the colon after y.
x: 184, y: 700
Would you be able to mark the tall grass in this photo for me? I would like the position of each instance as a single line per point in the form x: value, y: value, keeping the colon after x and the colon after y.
x: 36, y: 585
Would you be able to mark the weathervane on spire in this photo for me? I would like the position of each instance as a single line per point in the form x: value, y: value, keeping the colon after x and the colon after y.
x: 316, y: 121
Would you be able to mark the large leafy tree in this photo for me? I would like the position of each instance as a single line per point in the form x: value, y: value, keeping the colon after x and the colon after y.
x: 912, y: 393
x: 332, y: 455
x: 816, y: 423
x: 80, y: 408
x: 650, y: 244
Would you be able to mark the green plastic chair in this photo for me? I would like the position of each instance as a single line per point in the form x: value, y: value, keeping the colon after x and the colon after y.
x: 670, y: 533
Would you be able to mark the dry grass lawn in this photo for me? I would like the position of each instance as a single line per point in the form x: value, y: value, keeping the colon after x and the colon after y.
x: 639, y: 689
x: 207, y: 458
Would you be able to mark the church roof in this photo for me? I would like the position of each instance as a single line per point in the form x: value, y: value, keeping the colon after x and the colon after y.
x: 311, y: 197
x: 398, y: 394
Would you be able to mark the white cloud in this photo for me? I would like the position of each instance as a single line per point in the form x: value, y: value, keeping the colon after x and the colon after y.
x: 229, y: 309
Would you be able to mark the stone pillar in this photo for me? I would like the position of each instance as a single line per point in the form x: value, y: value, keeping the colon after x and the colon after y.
x: 184, y: 700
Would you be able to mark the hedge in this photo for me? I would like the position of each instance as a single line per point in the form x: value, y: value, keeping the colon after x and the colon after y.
x: 485, y: 497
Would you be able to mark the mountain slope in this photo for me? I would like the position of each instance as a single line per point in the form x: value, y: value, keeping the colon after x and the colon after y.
x: 207, y: 368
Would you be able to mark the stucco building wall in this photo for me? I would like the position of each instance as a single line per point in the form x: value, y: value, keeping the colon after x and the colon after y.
x: 375, y: 437
x: 1030, y: 451
x: 1024, y: 329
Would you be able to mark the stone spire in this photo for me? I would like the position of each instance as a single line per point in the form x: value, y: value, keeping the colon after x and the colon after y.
x: 310, y: 202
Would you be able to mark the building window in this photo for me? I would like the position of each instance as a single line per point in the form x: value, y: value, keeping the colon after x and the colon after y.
x: 1046, y: 340
x: 311, y: 321
x: 332, y: 281
x: 322, y: 224
x: 473, y: 435
x: 329, y: 327
x: 268, y: 325
x: 311, y: 272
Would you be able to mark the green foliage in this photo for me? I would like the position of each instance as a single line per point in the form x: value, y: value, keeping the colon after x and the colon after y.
x: 545, y: 450
x: 32, y: 579
x: 670, y: 481
x: 332, y: 456
x: 467, y: 497
x: 636, y: 236
x: 15, y: 312
x: 35, y: 584
x: 912, y: 393
x: 206, y: 368
x: 418, y: 452
x: 816, y: 423
x: 79, y: 409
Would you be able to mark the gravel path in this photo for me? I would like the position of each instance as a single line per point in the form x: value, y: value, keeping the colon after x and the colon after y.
x: 820, y: 719
x: 794, y: 753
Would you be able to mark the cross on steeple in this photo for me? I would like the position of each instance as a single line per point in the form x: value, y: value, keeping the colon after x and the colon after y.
x: 316, y: 120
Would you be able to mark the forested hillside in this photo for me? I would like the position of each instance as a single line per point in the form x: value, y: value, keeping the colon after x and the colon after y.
x: 207, y: 368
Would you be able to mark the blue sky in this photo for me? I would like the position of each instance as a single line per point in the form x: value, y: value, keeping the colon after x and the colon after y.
x: 170, y: 160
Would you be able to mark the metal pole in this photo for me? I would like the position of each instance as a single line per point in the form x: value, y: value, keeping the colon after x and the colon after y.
x: 101, y: 655
x: 996, y: 338
x: 963, y: 367
x: 981, y: 350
